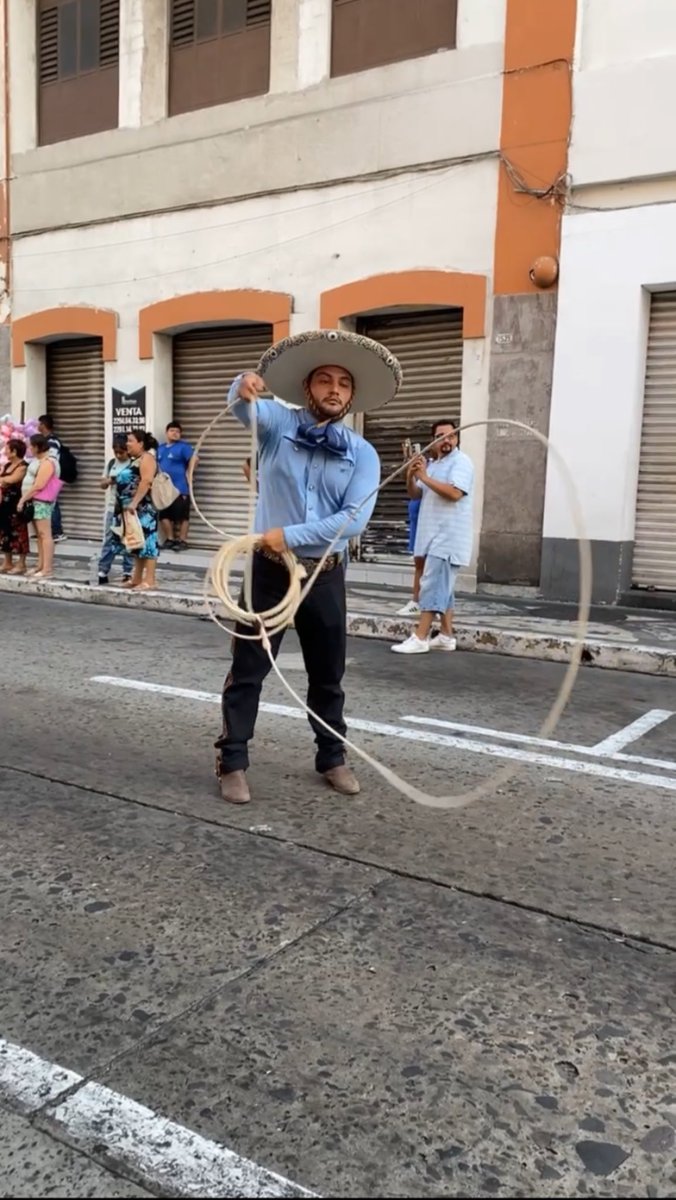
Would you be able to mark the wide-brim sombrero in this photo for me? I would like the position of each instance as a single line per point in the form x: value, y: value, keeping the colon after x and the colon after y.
x: 376, y: 372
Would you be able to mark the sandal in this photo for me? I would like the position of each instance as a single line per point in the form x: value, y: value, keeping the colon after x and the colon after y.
x: 145, y: 587
x: 17, y: 571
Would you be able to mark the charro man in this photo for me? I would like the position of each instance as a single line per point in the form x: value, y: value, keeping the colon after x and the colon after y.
x: 314, y: 474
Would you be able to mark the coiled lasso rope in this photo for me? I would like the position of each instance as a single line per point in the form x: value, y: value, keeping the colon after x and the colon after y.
x: 275, y: 620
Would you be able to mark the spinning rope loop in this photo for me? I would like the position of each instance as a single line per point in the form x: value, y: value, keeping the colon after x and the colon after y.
x: 265, y: 625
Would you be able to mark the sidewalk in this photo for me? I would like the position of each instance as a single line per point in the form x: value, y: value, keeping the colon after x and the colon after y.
x: 524, y: 626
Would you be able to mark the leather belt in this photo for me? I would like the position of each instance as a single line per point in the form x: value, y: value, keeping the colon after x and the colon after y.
x: 310, y: 564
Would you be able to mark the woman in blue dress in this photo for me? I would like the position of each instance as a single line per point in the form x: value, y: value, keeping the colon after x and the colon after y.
x: 133, y: 484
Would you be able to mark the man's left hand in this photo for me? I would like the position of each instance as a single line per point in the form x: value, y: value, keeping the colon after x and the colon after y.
x: 274, y: 540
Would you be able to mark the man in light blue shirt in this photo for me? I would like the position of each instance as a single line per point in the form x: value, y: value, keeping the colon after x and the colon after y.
x: 317, y: 486
x: 444, y: 534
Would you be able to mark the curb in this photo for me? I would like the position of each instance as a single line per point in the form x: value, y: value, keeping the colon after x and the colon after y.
x: 611, y: 656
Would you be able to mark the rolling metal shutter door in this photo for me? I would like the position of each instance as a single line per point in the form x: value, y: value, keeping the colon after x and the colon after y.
x: 429, y: 347
x: 205, y: 363
x: 655, y: 535
x: 75, y: 402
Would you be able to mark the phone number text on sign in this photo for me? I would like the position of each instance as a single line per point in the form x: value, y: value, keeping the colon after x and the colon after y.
x: 129, y: 410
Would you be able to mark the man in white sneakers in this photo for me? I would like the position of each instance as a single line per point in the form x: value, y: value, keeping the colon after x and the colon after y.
x: 444, y: 534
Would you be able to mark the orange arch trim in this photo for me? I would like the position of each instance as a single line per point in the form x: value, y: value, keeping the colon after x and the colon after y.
x: 205, y: 308
x: 449, y: 289
x: 54, y: 323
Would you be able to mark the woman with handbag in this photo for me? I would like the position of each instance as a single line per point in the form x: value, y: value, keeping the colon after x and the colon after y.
x: 39, y: 490
x: 136, y: 511
x: 13, y: 528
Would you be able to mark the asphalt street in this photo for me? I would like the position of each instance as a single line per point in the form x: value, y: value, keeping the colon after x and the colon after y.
x: 364, y: 996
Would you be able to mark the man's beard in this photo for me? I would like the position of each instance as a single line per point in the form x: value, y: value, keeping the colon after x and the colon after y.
x: 316, y: 411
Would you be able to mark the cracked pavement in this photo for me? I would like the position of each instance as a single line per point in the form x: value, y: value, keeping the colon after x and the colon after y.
x: 367, y: 997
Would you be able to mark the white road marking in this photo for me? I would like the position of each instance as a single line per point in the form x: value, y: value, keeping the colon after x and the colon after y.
x: 631, y: 733
x: 138, y: 1141
x: 603, y: 770
x: 523, y: 739
x: 28, y: 1080
x: 572, y: 748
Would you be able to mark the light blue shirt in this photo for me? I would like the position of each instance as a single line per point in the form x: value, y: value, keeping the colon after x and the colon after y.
x: 445, y: 527
x: 310, y: 494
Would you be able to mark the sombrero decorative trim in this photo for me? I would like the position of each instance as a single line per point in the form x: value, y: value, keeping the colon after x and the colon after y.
x: 377, y: 374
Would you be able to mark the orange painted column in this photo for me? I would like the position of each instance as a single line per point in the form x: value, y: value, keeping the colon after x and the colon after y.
x: 534, y: 136
x: 535, y: 128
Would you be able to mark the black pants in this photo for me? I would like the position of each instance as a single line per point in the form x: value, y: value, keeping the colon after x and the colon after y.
x: 321, y: 629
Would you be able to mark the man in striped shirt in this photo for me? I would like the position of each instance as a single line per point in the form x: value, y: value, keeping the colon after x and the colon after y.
x: 444, y: 535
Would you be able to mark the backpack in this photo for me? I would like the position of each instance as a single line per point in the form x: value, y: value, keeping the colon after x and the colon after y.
x: 68, y: 464
x: 162, y: 491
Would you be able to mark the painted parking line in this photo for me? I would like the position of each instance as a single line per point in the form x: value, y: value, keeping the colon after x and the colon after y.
x: 601, y: 769
x: 134, y: 1140
x: 631, y: 733
x: 663, y: 764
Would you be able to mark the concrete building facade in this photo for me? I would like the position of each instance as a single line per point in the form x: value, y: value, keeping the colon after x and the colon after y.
x: 614, y: 393
x: 160, y: 242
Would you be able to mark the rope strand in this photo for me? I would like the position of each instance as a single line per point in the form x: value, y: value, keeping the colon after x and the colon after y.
x: 267, y: 624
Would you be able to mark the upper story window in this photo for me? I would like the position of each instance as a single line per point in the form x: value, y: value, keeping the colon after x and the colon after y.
x: 372, y: 33
x: 78, y: 67
x: 219, y: 51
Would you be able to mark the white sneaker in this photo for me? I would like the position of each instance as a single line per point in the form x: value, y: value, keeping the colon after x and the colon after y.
x: 412, y: 609
x: 443, y: 642
x: 412, y: 645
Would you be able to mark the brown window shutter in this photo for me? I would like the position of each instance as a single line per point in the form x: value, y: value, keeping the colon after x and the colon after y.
x: 182, y: 22
x: 78, y: 51
x: 258, y: 12
x: 109, y: 45
x: 373, y: 33
x: 48, y: 36
x: 205, y: 69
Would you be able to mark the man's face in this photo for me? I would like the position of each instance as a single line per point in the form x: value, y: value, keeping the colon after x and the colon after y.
x: 331, y: 390
x: 120, y: 453
x: 43, y: 429
x: 173, y: 434
x: 449, y: 440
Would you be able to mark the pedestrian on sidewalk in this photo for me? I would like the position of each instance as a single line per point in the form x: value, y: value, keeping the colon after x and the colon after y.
x: 39, y: 490
x: 314, y: 474
x: 444, y: 535
x: 177, y: 458
x: 132, y: 485
x: 412, y: 607
x: 112, y: 544
x: 13, y: 528
x: 67, y: 469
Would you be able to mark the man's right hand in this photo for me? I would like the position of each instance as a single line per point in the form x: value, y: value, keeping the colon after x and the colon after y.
x: 250, y: 387
x: 416, y: 467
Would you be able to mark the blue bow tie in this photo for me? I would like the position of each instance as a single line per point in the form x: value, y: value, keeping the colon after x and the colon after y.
x: 322, y: 437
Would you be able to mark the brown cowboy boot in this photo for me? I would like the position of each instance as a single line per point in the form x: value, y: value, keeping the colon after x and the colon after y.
x: 342, y: 780
x: 233, y: 785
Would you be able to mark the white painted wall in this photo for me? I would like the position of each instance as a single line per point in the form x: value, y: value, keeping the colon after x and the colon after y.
x: 302, y: 243
x: 144, y: 60
x: 624, y: 89
x: 622, y: 31
x: 609, y: 264
x: 481, y: 22
x: 309, y: 130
